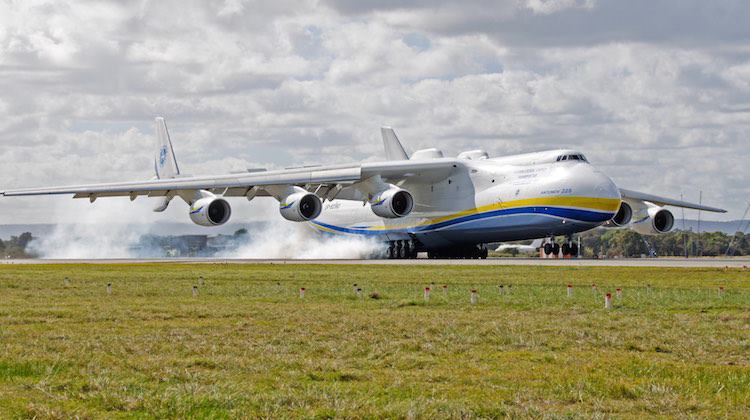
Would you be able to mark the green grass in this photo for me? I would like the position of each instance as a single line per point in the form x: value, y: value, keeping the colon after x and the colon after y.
x: 248, y: 346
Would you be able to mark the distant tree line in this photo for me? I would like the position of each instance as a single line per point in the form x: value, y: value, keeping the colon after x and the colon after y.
x: 627, y: 243
x: 15, y: 247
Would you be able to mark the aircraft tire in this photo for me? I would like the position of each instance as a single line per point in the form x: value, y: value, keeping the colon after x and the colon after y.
x: 547, y: 249
x: 556, y: 249
x: 574, y: 250
x: 566, y: 249
x: 391, y: 252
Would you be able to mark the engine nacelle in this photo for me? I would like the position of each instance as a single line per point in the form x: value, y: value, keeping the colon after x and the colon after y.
x: 622, y: 218
x: 300, y: 207
x: 656, y: 221
x: 210, y: 211
x: 392, y: 203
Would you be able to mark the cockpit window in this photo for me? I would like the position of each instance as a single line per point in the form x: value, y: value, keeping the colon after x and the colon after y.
x: 572, y: 157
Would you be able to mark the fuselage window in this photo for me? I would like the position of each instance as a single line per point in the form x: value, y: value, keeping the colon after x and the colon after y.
x: 564, y: 158
x: 574, y: 157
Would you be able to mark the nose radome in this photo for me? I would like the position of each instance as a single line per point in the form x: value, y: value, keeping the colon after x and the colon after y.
x: 596, y: 182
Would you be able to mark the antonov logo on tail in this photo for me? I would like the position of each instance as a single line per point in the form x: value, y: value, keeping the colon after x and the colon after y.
x: 163, y: 156
x: 447, y: 207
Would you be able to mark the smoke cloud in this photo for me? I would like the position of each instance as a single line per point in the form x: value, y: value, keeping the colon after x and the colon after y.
x: 288, y: 240
x: 113, y: 229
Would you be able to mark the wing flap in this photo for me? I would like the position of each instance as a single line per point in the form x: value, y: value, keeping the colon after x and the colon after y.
x: 663, y: 201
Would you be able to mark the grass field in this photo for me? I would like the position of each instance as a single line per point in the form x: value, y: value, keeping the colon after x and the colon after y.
x: 248, y: 346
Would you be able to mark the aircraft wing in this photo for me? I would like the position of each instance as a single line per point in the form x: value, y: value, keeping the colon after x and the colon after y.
x: 239, y: 185
x: 662, y: 201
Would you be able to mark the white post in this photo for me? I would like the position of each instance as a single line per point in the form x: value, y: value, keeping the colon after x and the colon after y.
x: 618, y: 292
x: 608, y: 301
x: 301, y: 292
x: 201, y: 280
x: 66, y: 281
x: 359, y: 292
x: 474, y: 296
x: 445, y: 289
x: 354, y: 287
x: 109, y: 288
x: 195, y: 291
x: 721, y: 291
x: 501, y: 289
x: 570, y: 290
x: 426, y: 294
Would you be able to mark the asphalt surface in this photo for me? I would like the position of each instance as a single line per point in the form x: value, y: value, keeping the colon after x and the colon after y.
x: 634, y: 262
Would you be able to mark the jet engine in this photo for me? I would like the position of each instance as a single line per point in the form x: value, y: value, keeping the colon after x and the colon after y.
x: 655, y: 221
x: 623, y: 217
x: 392, y: 203
x: 300, y: 207
x: 210, y: 211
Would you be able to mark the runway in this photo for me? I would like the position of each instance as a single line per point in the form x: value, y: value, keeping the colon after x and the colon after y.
x: 630, y: 262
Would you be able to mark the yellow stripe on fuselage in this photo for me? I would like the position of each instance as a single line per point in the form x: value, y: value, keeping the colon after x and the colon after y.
x: 585, y: 203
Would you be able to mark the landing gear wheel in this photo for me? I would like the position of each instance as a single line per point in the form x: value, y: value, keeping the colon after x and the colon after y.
x: 547, y: 249
x: 403, y: 251
x: 574, y: 250
x: 566, y: 249
x: 485, y: 253
x: 556, y: 249
x: 391, y: 252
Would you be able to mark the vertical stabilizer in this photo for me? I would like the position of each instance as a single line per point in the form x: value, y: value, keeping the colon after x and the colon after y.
x: 394, y: 150
x: 165, y: 163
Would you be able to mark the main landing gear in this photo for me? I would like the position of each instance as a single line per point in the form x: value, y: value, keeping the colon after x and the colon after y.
x: 401, y: 250
x: 568, y: 249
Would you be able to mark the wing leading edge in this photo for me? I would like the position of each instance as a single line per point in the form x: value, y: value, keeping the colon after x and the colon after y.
x: 663, y: 201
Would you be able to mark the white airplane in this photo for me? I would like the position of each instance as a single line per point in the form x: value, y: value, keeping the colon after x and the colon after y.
x: 448, y: 207
x: 523, y: 249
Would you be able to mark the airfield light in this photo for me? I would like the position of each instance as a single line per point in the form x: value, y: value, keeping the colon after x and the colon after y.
x: 445, y: 288
x: 201, y: 280
x: 501, y: 289
x: 109, y: 288
x: 608, y: 301
x: 426, y: 294
x: 593, y: 287
x: 570, y: 290
x: 66, y: 281
x: 721, y: 291
x: 195, y: 291
x: 301, y: 292
x: 618, y: 292
x: 474, y: 297
x: 359, y: 292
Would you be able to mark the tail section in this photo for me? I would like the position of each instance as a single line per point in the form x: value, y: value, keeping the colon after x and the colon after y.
x: 165, y: 163
x: 394, y: 150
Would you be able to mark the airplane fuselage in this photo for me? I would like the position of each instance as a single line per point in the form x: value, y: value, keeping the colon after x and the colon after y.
x: 490, y: 200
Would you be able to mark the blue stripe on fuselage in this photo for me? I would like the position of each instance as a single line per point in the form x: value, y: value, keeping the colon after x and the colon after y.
x: 565, y: 213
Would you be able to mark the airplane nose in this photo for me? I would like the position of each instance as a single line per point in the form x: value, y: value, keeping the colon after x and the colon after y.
x: 596, y: 182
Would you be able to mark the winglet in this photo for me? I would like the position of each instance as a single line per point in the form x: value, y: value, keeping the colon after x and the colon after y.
x: 394, y: 150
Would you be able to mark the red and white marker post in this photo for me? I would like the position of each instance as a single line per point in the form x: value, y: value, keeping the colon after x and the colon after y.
x: 301, y: 292
x: 474, y: 296
x: 618, y: 293
x: 570, y: 290
x: 608, y: 301
x: 426, y: 294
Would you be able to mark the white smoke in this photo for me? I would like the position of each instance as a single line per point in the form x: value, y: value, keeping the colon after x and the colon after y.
x: 107, y: 229
x: 289, y: 240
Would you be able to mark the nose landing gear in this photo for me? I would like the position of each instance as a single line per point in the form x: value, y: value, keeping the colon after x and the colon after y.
x: 569, y: 248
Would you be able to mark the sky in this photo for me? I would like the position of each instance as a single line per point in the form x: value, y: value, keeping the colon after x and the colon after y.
x: 655, y: 92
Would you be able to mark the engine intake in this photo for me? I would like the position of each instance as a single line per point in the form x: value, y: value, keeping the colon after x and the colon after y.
x: 210, y: 211
x: 392, y: 203
x: 300, y: 207
x: 657, y: 221
x: 623, y: 217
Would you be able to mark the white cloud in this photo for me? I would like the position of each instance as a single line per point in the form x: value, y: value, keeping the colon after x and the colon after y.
x: 248, y: 84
